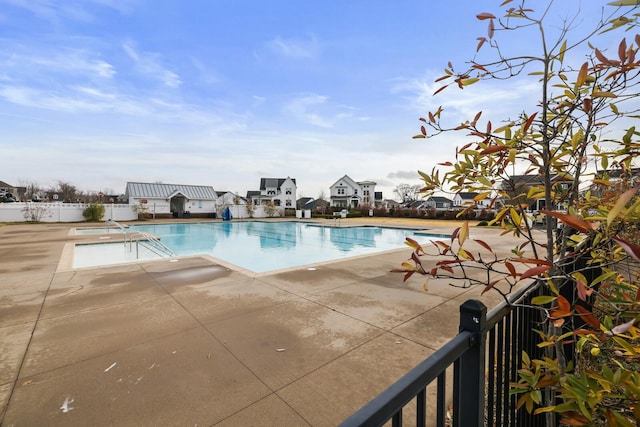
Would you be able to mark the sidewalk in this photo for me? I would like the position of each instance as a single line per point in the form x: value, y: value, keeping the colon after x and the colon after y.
x: 195, y: 343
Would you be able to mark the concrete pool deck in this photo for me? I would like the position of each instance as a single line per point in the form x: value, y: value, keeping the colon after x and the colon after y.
x: 193, y: 342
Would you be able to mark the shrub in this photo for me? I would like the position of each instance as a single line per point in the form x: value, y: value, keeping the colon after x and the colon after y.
x: 94, y: 212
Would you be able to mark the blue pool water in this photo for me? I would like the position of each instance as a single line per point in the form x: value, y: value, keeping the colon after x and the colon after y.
x: 265, y: 246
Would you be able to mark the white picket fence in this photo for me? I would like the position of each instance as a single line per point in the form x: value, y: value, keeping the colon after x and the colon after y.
x: 60, y: 212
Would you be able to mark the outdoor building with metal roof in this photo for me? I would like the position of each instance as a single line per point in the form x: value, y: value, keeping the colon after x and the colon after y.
x: 177, y: 200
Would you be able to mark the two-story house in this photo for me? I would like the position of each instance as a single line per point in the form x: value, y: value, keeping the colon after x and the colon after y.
x: 347, y: 193
x: 437, y: 202
x: 280, y: 191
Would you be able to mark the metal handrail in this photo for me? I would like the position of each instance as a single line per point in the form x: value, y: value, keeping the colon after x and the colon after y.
x: 141, y: 236
x: 153, y: 239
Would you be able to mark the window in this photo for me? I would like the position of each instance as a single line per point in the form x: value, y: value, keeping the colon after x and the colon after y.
x: 288, y: 191
x: 288, y: 203
x: 355, y: 191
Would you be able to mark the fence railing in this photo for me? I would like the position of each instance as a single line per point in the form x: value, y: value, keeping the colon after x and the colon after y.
x: 485, y: 357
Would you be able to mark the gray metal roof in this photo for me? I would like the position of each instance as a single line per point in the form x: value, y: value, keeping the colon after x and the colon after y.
x: 164, y: 191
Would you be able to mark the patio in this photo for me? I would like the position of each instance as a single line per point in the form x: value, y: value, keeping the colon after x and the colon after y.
x: 195, y: 342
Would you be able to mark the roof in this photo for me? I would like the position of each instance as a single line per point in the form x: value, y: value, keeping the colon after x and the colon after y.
x: 352, y: 182
x: 613, y: 173
x: 306, y: 202
x: 467, y: 195
x: 165, y: 191
x: 273, y: 182
x: 439, y: 199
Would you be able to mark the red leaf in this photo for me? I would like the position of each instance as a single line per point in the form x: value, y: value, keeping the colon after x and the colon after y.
x: 485, y: 15
x: 494, y: 149
x: 406, y: 276
x: 511, y: 269
x: 527, y: 125
x: 445, y: 164
x: 483, y: 244
x: 622, y: 49
x: 490, y: 30
x: 489, y: 286
x: 535, y: 261
x: 535, y: 271
x: 447, y: 268
x: 588, y: 317
x: 631, y: 249
x: 481, y: 41
x: 583, y: 292
x: 455, y: 234
x: 440, y: 90
x: 572, y: 221
x: 563, y: 304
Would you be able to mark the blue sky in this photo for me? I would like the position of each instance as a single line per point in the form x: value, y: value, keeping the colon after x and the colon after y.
x: 224, y: 92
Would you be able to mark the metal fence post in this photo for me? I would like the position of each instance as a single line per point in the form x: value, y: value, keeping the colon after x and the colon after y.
x: 468, y: 376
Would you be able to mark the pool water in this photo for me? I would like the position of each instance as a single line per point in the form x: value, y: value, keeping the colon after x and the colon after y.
x: 265, y: 246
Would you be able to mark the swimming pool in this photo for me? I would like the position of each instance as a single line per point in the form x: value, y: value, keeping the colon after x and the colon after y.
x: 264, y: 246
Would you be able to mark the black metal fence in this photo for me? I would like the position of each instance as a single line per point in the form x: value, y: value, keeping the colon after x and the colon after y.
x: 485, y: 357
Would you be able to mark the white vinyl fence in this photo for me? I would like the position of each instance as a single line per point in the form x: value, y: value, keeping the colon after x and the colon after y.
x: 72, y: 212
x: 60, y: 212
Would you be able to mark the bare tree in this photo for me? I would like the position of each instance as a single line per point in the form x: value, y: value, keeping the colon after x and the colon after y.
x: 321, y: 202
x: 68, y: 191
x: 407, y: 192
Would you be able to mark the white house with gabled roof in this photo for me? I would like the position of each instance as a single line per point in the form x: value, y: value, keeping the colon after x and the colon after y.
x: 347, y: 193
x: 279, y: 191
x: 176, y: 199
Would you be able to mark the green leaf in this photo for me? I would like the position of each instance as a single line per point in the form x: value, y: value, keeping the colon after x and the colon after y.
x: 623, y: 3
x: 620, y: 204
x: 543, y: 299
x: 563, y: 48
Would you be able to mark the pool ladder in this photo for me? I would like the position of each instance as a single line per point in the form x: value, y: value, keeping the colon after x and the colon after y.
x: 149, y: 241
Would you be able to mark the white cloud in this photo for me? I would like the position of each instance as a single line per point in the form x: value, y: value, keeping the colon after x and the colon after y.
x: 301, y: 108
x: 295, y: 48
x: 74, y: 10
x: 19, y: 62
x: 150, y: 65
x: 499, y: 100
x: 316, y: 110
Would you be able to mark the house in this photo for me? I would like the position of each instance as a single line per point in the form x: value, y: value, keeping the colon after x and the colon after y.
x: 228, y: 198
x: 9, y: 191
x: 518, y: 185
x: 306, y: 203
x: 377, y: 199
x: 389, y: 203
x: 175, y: 199
x: 279, y: 191
x: 438, y: 202
x: 347, y: 193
